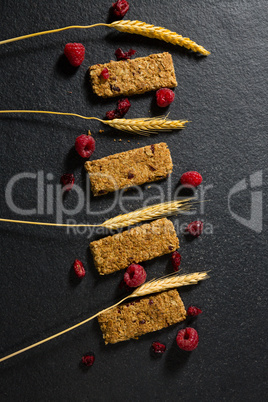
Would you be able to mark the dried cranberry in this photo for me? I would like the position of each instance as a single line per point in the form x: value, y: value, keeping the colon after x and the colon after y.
x: 158, y: 348
x: 85, y: 145
x: 187, y: 339
x: 67, y: 180
x: 120, y: 8
x: 195, y: 228
x: 123, y: 106
x: 79, y: 268
x: 164, y: 97
x: 130, y: 175
x: 193, y: 311
x: 88, y: 359
x: 135, y: 275
x: 176, y: 260
x: 105, y: 73
x: 120, y: 55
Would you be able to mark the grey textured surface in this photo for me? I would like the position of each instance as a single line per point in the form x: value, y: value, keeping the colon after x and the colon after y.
x: 224, y: 97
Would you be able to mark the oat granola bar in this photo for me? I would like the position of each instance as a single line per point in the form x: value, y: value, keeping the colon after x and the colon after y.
x: 138, y: 244
x: 136, y: 76
x: 130, y: 168
x: 136, y: 318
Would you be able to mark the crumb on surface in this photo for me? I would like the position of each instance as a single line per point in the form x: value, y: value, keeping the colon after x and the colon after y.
x: 89, y: 132
x: 101, y: 131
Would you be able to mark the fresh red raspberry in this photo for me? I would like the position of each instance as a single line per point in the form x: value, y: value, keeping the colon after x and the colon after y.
x: 120, y: 8
x: 176, y: 260
x: 195, y: 228
x: 120, y: 55
x: 88, y: 359
x: 164, y: 97
x: 105, y: 73
x: 75, y: 53
x: 79, y: 268
x: 187, y: 339
x: 158, y: 348
x: 191, y: 178
x: 123, y: 106
x: 85, y: 145
x: 135, y: 275
x: 193, y: 311
x: 67, y: 180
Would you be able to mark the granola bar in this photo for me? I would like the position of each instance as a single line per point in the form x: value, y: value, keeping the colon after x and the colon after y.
x: 148, y: 314
x: 134, y: 76
x: 141, y: 243
x: 130, y: 168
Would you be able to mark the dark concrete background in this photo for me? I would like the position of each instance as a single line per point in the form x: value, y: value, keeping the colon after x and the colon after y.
x: 224, y: 97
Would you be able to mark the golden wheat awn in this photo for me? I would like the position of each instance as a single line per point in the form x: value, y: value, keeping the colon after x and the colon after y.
x: 142, y: 126
x: 124, y: 220
x: 154, y: 286
x: 133, y: 27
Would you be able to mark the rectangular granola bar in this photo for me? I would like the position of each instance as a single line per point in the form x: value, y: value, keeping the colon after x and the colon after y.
x: 138, y: 244
x: 130, y: 168
x: 136, y: 318
x: 136, y: 76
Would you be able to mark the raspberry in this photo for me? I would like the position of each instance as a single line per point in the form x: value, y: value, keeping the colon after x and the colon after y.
x: 164, y: 97
x: 85, y: 145
x: 105, y: 73
x: 193, y: 311
x: 195, y: 228
x: 123, y: 106
x: 176, y: 260
x: 79, y: 269
x: 88, y: 359
x: 120, y: 8
x: 120, y: 55
x: 191, y: 178
x: 67, y: 180
x: 187, y: 339
x: 135, y: 275
x: 158, y: 348
x: 75, y: 53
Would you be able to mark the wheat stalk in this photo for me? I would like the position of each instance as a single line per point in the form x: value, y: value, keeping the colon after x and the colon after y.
x: 142, y: 126
x: 154, y: 286
x: 152, y: 31
x: 133, y: 27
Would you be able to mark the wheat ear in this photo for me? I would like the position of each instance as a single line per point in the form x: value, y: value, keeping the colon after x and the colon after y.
x: 154, y: 286
x: 142, y: 126
x: 124, y: 220
x: 152, y: 31
x: 133, y: 27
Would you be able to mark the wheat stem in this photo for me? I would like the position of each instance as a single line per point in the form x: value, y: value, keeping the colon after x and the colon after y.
x: 142, y: 126
x: 154, y: 286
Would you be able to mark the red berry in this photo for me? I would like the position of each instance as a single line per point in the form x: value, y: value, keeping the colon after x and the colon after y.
x: 105, y: 73
x: 193, y: 311
x: 176, y: 260
x: 187, y: 339
x: 79, y: 269
x: 135, y: 275
x: 75, y: 53
x: 85, y: 145
x: 67, y: 180
x: 158, y: 348
x: 195, y: 228
x: 120, y: 8
x: 120, y: 55
x: 191, y: 178
x: 88, y: 359
x: 164, y: 97
x: 123, y: 106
